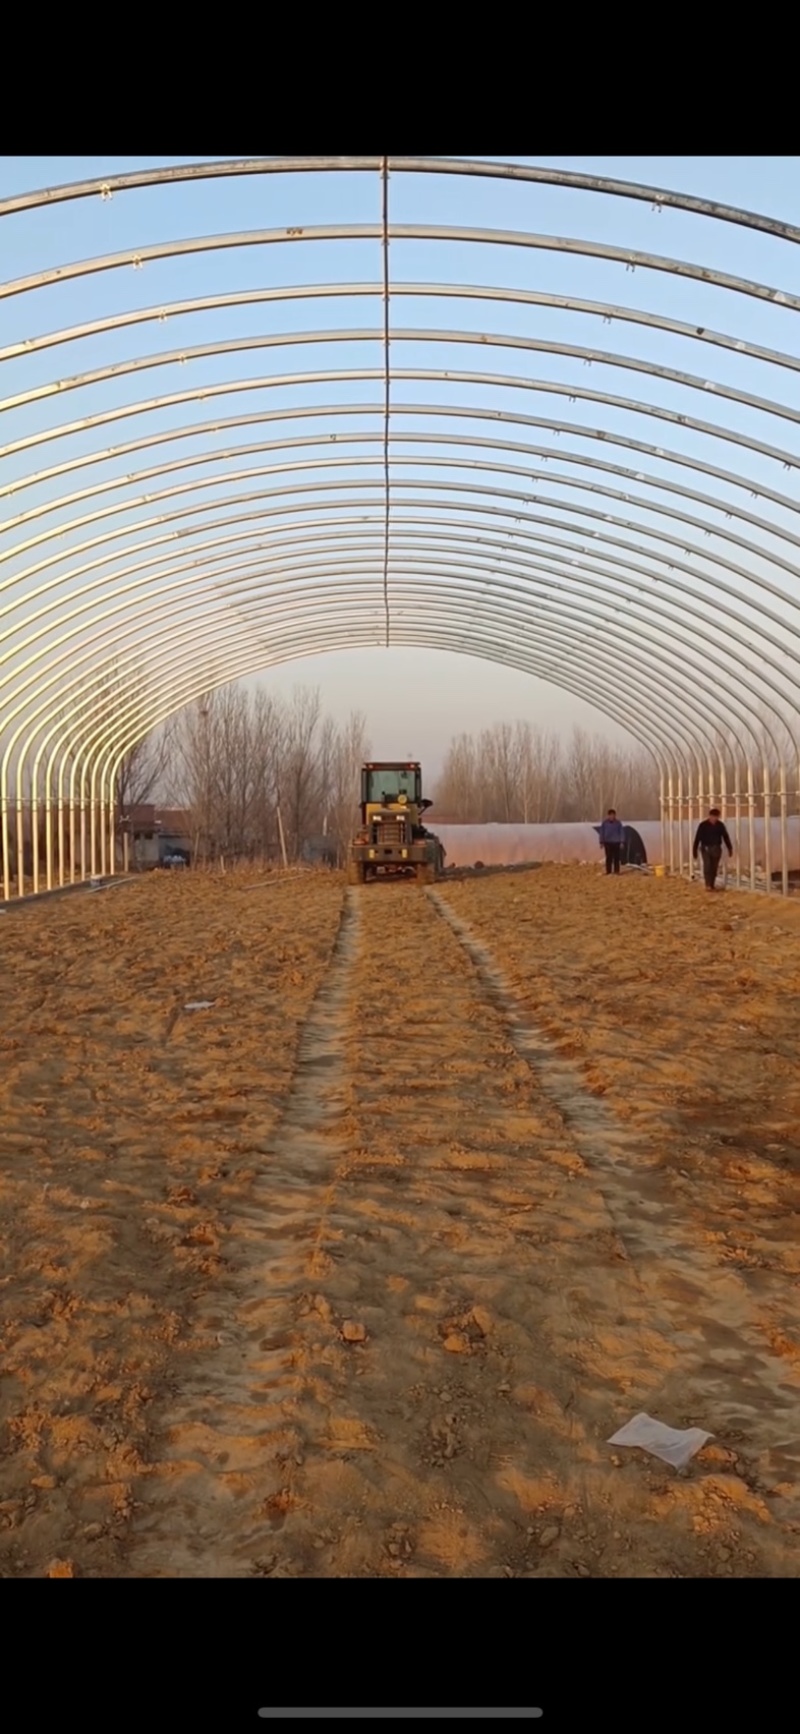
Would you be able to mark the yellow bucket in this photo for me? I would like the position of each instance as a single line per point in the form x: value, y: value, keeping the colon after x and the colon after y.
x: 660, y: 872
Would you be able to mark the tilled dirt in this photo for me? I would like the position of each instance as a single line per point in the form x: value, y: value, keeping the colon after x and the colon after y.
x: 354, y: 1272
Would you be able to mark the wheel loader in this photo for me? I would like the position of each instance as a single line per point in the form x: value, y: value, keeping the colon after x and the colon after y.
x: 392, y: 841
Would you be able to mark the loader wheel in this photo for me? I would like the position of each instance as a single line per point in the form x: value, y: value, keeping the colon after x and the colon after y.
x: 356, y: 873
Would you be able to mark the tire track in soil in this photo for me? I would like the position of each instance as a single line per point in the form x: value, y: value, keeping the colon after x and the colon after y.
x: 433, y: 1326
x: 125, y: 1158
x: 729, y: 1378
x: 223, y: 1485
x: 505, y: 1332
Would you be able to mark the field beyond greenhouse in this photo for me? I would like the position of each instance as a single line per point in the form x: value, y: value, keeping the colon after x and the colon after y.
x: 341, y: 1228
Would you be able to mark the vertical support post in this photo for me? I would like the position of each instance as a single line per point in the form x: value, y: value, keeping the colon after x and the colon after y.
x: 784, y: 801
x: 82, y: 799
x: 34, y: 811
x: 672, y: 815
x: 112, y: 821
x: 20, y: 846
x: 680, y: 820
x: 751, y: 809
x: 60, y: 828
x: 101, y: 824
x: 767, y: 828
x: 48, y: 828
x: 737, y: 809
x: 6, y: 839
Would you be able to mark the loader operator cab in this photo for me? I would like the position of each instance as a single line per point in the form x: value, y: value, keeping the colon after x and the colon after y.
x: 390, y: 785
x: 392, y: 788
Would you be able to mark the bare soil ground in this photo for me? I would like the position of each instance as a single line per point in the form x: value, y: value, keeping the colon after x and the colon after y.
x: 354, y: 1273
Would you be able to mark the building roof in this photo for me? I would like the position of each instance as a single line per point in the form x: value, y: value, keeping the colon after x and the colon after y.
x: 145, y: 816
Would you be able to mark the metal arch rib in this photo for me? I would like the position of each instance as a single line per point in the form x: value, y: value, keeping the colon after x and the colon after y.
x: 252, y: 661
x: 622, y: 710
x: 425, y: 334
x: 540, y: 477
x: 297, y: 602
x: 118, y: 608
x: 609, y: 311
x: 462, y: 376
x: 502, y: 582
x: 574, y: 246
x: 70, y: 635
x: 282, y: 509
x: 496, y: 417
x: 599, y: 667
x: 523, y: 172
x: 550, y: 477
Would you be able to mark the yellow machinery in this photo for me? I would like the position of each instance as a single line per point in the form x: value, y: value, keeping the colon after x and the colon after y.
x: 392, y: 840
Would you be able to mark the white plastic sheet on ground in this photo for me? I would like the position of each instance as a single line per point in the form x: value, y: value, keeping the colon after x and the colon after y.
x: 501, y: 845
x: 673, y: 1445
x: 200, y: 1005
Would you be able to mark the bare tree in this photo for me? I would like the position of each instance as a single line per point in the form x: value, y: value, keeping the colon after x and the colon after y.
x: 541, y: 775
x: 456, y: 791
x: 299, y: 776
x: 518, y: 775
x: 255, y: 773
x: 348, y: 749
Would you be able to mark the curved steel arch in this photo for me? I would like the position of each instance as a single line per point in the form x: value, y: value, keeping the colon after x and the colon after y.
x: 609, y: 311
x: 402, y: 334
x: 436, y: 463
x: 504, y: 589
x: 518, y: 517
x: 567, y: 546
x: 622, y: 711
x: 509, y: 588
x: 611, y: 186
x: 550, y: 477
x: 576, y: 547
x: 630, y: 257
x: 469, y: 441
x: 334, y: 376
x: 601, y: 678
x: 323, y: 584
x: 556, y: 586
x: 755, y: 489
x: 500, y: 586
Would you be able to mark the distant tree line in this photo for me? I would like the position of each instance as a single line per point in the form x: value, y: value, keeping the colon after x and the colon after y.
x: 515, y: 774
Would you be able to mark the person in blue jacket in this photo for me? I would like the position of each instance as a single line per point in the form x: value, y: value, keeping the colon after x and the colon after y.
x: 612, y: 837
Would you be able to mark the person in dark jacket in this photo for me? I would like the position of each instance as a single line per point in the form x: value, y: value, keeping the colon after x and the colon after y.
x: 612, y: 837
x: 709, y: 838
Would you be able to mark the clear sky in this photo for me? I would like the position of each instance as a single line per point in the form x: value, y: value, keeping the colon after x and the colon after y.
x: 414, y: 698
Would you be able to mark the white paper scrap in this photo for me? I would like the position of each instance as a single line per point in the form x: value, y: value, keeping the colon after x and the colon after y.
x: 673, y: 1445
x: 200, y: 1005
